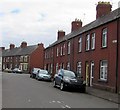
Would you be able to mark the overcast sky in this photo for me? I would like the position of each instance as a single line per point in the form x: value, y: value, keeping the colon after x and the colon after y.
x: 36, y: 21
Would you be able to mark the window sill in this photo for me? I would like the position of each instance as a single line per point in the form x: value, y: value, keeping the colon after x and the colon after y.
x: 92, y: 49
x: 87, y: 50
x: 103, y: 47
x: 101, y: 80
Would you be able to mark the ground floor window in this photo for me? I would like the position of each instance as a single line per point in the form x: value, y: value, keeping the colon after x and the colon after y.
x: 68, y: 66
x: 103, y: 69
x: 24, y: 66
x: 3, y: 66
x: 51, y: 68
x: 56, y: 67
x: 45, y: 67
x: 79, y: 68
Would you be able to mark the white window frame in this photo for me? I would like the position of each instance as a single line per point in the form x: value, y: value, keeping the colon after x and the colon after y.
x: 104, y: 37
x: 60, y: 65
x: 69, y: 47
x: 64, y: 49
x: 93, y: 41
x: 21, y: 58
x: 26, y: 58
x: 79, y: 68
x: 88, y: 42
x: 61, y: 50
x: 4, y: 59
x: 68, y: 66
x: 80, y: 44
x: 45, y: 66
x: 52, y: 53
x: 56, y: 67
x: 103, y: 70
x: 57, y: 51
x: 51, y: 68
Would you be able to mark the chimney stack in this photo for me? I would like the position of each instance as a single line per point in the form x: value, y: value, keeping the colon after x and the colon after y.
x: 77, y: 24
x: 41, y: 44
x: 23, y: 44
x: 2, y: 48
x: 61, y: 34
x: 12, y: 46
x: 103, y: 8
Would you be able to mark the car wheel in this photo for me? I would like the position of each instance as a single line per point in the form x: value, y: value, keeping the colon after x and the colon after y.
x: 54, y: 83
x: 62, y: 87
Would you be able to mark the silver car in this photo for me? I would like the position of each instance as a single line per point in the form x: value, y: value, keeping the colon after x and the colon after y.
x: 43, y: 75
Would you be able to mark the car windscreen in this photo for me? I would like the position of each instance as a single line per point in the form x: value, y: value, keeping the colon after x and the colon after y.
x: 35, y: 70
x: 69, y: 74
x: 43, y: 72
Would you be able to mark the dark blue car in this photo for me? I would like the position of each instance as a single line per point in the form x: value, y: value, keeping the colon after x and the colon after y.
x: 67, y: 79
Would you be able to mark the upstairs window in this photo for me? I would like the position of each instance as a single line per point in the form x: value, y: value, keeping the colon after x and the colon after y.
x: 68, y: 47
x: 88, y: 42
x: 21, y: 58
x: 57, y: 51
x: 64, y: 49
x: 25, y: 58
x: 61, y: 50
x: 93, y: 41
x: 104, y: 38
x: 80, y: 44
x: 52, y: 53
x: 45, y: 55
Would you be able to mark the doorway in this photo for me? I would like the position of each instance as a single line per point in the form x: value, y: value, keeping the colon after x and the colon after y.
x: 87, y: 73
x: 91, y: 73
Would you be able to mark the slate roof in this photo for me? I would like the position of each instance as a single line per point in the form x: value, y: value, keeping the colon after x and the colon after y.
x: 98, y: 22
x: 19, y: 51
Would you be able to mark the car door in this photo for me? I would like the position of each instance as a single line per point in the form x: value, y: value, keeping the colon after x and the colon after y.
x: 59, y: 77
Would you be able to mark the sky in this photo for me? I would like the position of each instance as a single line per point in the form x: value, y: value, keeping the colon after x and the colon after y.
x: 38, y: 21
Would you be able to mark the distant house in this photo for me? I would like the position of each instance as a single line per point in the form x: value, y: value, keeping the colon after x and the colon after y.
x: 1, y: 49
x: 23, y: 57
x: 92, y: 51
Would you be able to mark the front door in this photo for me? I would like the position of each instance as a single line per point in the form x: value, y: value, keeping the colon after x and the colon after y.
x: 91, y: 73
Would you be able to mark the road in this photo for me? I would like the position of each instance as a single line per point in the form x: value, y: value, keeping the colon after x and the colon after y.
x: 21, y: 91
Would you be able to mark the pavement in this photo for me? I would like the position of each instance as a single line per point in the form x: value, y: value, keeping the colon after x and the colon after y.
x: 113, y: 97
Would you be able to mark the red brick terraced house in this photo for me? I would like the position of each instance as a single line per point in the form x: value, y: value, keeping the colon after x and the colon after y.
x: 23, y: 57
x: 92, y: 51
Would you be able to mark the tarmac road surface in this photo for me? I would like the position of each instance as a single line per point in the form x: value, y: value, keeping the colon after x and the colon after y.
x: 21, y: 91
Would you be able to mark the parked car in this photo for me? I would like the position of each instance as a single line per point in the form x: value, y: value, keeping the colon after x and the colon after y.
x: 17, y: 70
x: 43, y: 75
x: 8, y: 70
x: 67, y: 79
x: 34, y: 71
